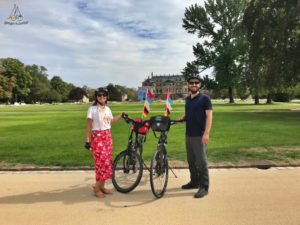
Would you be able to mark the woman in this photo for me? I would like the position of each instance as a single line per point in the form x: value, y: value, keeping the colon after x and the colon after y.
x: 98, y: 139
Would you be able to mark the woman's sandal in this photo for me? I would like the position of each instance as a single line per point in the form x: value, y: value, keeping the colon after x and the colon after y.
x: 99, y: 194
x: 106, y: 191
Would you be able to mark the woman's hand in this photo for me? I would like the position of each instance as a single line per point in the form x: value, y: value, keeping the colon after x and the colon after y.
x: 87, y: 146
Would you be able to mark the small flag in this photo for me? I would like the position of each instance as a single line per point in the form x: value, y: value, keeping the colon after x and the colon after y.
x: 148, y: 100
x: 169, y: 102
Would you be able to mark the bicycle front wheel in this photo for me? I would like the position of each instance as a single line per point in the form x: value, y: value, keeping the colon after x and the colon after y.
x: 127, y: 171
x: 159, y: 171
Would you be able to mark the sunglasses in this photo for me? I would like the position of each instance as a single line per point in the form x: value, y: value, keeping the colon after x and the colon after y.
x: 195, y: 82
x: 100, y: 95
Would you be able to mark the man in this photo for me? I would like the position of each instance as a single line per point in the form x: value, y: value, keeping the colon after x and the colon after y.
x: 198, y: 117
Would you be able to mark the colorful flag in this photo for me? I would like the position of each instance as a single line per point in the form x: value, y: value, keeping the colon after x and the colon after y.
x: 169, y: 102
x: 149, y: 97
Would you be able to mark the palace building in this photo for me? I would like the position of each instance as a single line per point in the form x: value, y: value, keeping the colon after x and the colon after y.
x: 159, y: 84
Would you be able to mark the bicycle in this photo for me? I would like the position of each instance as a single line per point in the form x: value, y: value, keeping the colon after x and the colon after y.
x: 128, y: 164
x: 159, y: 167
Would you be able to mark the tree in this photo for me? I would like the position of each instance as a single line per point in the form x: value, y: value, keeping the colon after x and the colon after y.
x: 15, y: 68
x: 192, y: 68
x: 50, y: 95
x: 77, y: 94
x: 130, y: 92
x: 6, y: 86
x: 60, y: 87
x: 274, y: 45
x: 218, y: 25
x: 40, y: 86
x: 90, y: 92
x: 113, y: 93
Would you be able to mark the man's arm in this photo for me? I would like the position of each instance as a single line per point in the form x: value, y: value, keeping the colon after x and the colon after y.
x: 209, y: 116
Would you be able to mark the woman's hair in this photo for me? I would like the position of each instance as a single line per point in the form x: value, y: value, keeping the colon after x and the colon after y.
x: 98, y: 91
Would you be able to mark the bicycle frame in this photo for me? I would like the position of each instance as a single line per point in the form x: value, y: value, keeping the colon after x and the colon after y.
x: 135, y: 139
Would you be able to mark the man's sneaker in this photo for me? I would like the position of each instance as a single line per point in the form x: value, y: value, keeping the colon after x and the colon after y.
x: 190, y: 185
x: 201, y: 193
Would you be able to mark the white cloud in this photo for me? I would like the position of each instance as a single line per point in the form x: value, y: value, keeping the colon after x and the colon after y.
x: 99, y: 41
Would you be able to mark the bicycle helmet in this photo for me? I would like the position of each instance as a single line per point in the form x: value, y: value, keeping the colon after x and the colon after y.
x: 194, y: 76
x: 101, y: 90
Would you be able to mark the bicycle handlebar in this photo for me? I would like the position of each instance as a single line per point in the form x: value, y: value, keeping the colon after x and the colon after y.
x: 126, y: 117
x: 129, y: 120
x: 172, y: 122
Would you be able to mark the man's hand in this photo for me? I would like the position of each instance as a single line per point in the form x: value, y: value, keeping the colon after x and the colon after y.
x: 181, y: 118
x: 205, y: 138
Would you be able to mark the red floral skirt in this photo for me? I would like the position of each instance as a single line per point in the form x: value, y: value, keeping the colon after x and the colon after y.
x: 102, y: 149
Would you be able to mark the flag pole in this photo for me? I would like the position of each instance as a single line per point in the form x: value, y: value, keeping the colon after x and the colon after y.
x: 149, y: 97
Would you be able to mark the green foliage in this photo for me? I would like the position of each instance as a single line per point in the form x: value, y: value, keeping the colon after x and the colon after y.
x: 40, y: 84
x: 130, y: 92
x: 30, y: 84
x: 209, y: 83
x: 281, y: 97
x: 61, y: 87
x: 7, y: 85
x: 113, y: 93
x: 77, y: 94
x: 218, y: 24
x: 15, y: 68
x: 190, y: 69
x: 274, y: 44
x: 296, y: 91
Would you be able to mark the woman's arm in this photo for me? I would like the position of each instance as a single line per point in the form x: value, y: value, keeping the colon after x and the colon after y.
x: 116, y: 118
x: 88, y: 129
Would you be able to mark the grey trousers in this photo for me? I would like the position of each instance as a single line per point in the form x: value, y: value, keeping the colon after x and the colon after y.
x: 196, y: 157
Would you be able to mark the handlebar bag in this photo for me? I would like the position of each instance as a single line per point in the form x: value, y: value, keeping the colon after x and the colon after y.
x: 160, y: 123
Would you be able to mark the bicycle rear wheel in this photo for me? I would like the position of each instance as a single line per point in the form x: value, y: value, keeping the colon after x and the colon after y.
x: 127, y: 171
x: 159, y: 171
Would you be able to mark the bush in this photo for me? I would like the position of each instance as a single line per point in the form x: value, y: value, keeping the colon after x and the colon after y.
x: 281, y: 97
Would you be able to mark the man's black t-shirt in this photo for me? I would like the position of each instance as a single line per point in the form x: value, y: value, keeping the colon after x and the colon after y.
x: 195, y: 114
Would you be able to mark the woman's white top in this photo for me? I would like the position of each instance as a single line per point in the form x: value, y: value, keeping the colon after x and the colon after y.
x: 101, y: 117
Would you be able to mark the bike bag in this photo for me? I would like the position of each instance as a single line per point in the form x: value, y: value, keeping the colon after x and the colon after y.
x: 160, y: 123
x: 139, y: 127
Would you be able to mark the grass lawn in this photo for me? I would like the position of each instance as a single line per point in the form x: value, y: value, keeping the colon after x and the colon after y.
x: 54, y: 135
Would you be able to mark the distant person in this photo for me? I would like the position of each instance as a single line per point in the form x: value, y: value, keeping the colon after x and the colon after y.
x: 98, y: 139
x: 198, y: 117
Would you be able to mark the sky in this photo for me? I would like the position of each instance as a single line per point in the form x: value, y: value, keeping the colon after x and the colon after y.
x: 98, y: 42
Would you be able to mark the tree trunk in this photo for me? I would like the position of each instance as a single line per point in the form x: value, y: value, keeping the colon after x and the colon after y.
x: 269, y: 99
x: 256, y: 100
x: 230, y: 94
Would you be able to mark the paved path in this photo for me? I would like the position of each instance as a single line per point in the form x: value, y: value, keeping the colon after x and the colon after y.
x: 237, y: 197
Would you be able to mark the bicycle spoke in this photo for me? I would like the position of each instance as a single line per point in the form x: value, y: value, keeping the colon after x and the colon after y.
x: 159, y: 174
x: 127, y: 172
